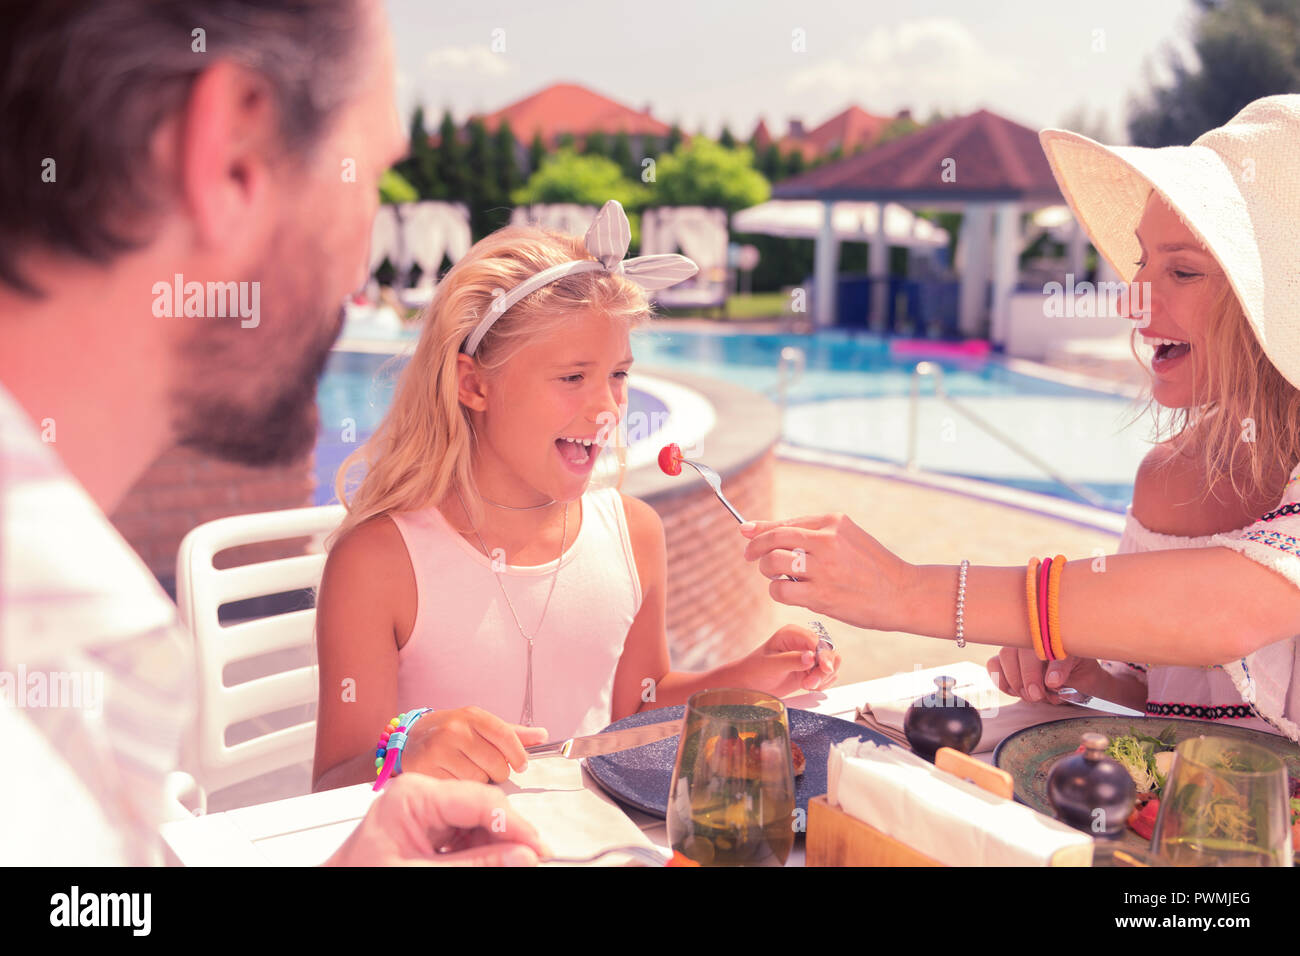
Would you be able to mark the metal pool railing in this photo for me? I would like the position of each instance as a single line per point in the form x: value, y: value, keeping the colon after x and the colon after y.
x: 930, y: 370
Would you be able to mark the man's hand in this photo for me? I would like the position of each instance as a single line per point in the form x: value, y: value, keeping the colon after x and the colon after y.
x: 419, y: 821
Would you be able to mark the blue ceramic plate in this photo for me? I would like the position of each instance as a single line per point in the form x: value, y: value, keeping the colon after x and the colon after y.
x: 641, y: 777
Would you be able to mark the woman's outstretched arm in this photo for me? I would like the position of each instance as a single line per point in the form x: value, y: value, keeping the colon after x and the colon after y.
x: 1198, y: 606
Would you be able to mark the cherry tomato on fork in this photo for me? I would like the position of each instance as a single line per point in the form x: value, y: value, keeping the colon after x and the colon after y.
x: 670, y: 460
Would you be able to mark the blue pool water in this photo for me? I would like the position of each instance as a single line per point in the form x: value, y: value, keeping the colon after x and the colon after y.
x: 852, y: 399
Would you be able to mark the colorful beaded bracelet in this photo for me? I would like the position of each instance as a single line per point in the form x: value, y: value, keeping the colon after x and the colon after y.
x: 388, y: 752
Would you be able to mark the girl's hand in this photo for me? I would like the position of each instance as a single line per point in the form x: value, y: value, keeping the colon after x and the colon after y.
x: 1018, y: 671
x: 416, y: 820
x: 468, y: 744
x: 841, y: 570
x: 786, y: 663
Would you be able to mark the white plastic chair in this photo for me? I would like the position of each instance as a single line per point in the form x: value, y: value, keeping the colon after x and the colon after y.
x: 201, y: 590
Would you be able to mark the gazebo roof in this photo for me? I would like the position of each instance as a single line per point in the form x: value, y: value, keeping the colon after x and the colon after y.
x: 993, y: 159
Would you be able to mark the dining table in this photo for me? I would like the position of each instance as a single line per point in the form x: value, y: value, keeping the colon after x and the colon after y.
x: 572, y: 812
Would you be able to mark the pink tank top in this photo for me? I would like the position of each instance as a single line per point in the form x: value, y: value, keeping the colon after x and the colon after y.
x: 465, y: 647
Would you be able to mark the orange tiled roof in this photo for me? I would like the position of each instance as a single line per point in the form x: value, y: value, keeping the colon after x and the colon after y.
x: 850, y: 129
x: 570, y: 108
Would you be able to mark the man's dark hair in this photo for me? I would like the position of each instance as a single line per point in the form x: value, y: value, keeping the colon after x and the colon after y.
x: 85, y: 83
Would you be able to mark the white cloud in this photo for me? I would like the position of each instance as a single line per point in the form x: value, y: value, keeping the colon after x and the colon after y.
x: 468, y: 59
x: 917, y: 63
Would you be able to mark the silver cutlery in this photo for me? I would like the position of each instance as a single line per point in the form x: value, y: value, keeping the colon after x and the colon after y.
x: 1079, y: 699
x: 647, y: 855
x: 611, y: 741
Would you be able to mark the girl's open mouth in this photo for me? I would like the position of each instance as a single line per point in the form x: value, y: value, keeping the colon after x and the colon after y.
x: 578, y: 454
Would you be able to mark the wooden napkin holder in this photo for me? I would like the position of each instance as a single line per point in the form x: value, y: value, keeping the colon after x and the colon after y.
x: 836, y: 839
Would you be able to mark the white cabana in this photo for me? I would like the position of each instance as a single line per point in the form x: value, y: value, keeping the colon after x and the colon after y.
x: 850, y: 222
x: 700, y: 234
x: 419, y: 233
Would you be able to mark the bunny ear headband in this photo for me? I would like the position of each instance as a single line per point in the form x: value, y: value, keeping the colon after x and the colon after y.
x: 607, y: 239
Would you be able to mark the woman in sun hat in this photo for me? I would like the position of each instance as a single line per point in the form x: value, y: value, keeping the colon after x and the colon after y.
x: 1204, y: 595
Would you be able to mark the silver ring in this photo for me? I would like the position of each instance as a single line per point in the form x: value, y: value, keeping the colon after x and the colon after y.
x: 822, y: 636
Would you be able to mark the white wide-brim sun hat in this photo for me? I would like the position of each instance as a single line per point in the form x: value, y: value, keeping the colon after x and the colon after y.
x: 1237, y: 188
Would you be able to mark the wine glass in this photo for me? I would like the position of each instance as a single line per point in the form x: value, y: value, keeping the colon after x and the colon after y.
x: 1225, y: 804
x: 732, y: 796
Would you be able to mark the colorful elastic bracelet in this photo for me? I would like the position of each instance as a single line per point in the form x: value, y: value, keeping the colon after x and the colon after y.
x: 1031, y: 601
x: 388, y: 752
x: 1044, y: 629
x: 1054, y: 606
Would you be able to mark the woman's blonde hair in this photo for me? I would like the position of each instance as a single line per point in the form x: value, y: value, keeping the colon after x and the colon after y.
x: 422, y: 448
x: 1248, y: 408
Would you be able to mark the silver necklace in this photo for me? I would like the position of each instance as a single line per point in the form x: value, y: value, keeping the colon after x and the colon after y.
x: 526, y: 717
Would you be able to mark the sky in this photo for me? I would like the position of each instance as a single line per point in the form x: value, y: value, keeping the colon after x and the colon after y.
x: 705, y: 63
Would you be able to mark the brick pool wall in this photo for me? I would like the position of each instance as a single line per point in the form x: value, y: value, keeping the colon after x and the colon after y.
x: 183, y: 489
x: 718, y: 605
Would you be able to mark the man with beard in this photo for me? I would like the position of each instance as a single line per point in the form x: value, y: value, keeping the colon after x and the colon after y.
x: 237, y: 143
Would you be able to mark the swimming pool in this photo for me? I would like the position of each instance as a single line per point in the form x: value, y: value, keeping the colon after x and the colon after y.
x: 852, y: 399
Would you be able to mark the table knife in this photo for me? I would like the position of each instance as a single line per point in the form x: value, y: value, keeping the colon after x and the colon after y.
x: 1072, y: 696
x: 609, y: 742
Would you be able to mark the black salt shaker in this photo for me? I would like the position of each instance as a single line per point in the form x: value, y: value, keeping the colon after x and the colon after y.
x: 1091, y: 792
x: 942, y: 719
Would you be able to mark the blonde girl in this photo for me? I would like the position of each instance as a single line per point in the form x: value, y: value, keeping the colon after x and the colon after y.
x: 478, y: 572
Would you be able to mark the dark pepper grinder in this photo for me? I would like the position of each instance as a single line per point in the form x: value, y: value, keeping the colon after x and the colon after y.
x: 942, y: 719
x: 1091, y: 792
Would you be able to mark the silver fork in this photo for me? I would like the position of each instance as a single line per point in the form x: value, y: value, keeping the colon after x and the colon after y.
x: 647, y: 855
x: 714, y: 482
x: 711, y: 476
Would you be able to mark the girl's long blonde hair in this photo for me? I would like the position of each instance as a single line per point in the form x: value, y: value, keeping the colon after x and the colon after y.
x: 1250, y: 409
x: 422, y: 448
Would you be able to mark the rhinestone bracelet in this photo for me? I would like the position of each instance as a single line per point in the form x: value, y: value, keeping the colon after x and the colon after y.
x: 961, y: 603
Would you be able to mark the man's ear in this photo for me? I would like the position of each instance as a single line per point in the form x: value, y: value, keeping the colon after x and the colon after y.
x: 472, y: 388
x: 229, y: 128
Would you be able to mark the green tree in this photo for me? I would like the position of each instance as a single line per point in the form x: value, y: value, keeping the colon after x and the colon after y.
x: 505, y: 161
x: 536, y: 153
x: 596, y: 144
x: 451, y: 181
x: 394, y: 188
x: 567, y: 177
x: 420, y: 167
x: 622, y: 154
x: 1245, y: 49
x: 674, y: 138
x: 480, y: 185
x: 704, y: 173
x: 725, y: 139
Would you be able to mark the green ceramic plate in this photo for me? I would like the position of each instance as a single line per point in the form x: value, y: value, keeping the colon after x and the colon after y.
x: 1030, y: 754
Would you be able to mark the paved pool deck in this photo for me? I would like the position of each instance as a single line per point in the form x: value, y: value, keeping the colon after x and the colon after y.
x: 924, y: 526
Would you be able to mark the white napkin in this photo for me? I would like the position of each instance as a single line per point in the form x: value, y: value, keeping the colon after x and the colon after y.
x: 887, y: 699
x: 948, y: 819
x: 572, y: 814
